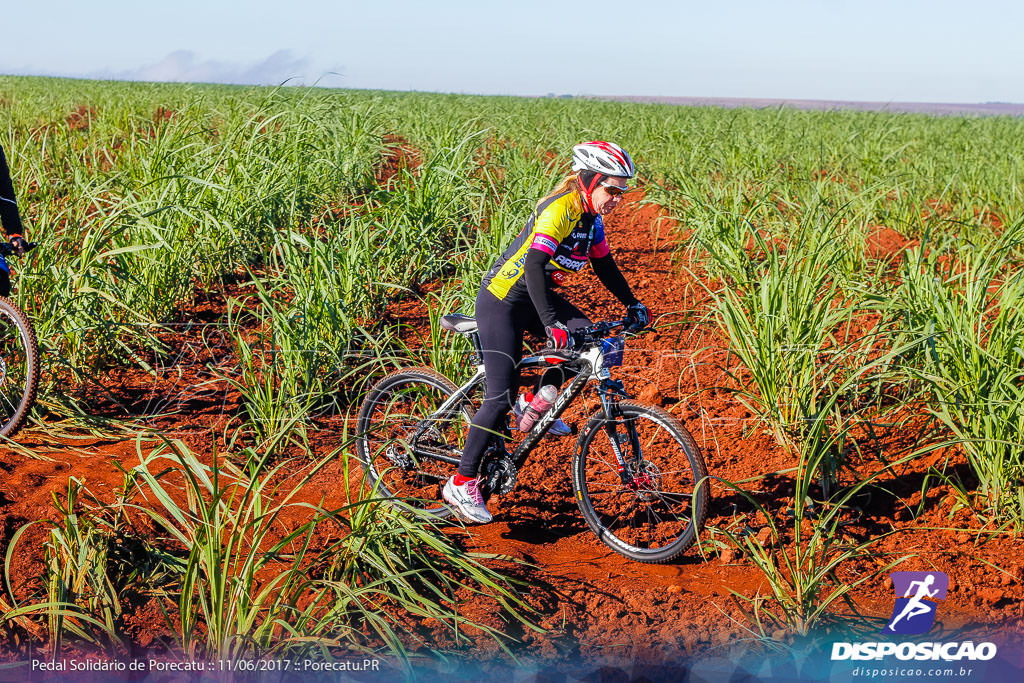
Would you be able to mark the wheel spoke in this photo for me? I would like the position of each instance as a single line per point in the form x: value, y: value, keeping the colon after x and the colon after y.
x: 623, y: 491
x: 651, y: 514
x: 401, y: 435
x: 611, y: 523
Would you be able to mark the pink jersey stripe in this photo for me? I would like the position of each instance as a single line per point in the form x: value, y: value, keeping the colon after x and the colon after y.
x: 545, y: 244
x: 600, y: 250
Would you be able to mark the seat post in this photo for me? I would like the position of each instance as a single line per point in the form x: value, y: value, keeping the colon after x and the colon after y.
x: 465, y: 325
x: 474, y: 337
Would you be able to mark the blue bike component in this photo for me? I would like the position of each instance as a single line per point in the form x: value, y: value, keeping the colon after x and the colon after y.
x: 612, y: 348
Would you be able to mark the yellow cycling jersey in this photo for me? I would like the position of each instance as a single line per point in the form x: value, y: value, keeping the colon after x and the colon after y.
x: 560, y: 228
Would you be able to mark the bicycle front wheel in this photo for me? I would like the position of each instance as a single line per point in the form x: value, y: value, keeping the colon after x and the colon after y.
x: 651, y: 508
x: 19, y: 368
x: 408, y: 449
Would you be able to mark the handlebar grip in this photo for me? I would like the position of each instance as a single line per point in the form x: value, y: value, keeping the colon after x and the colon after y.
x: 7, y: 249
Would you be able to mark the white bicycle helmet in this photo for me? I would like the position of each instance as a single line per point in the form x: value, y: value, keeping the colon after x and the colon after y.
x: 605, y: 158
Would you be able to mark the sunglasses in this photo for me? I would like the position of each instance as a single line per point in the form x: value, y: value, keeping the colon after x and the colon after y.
x: 614, y: 190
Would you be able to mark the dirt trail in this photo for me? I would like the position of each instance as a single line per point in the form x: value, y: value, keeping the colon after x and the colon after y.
x: 593, y: 601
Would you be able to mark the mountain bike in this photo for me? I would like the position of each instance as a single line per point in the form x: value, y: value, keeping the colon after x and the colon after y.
x: 19, y: 360
x: 638, y: 476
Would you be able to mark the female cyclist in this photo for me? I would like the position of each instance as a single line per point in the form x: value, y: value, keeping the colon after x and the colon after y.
x: 564, y: 232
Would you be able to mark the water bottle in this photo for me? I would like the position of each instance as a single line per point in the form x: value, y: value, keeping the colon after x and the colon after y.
x: 542, y: 401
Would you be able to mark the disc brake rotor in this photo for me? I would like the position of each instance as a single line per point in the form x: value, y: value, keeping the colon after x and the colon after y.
x: 646, y: 481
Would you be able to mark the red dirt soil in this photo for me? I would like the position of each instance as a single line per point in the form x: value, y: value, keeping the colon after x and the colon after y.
x: 884, y: 243
x: 593, y: 602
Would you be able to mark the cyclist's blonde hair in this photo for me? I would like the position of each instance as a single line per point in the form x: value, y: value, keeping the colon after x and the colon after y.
x: 569, y: 182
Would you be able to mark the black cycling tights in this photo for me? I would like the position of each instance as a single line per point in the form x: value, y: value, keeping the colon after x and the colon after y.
x: 501, y: 326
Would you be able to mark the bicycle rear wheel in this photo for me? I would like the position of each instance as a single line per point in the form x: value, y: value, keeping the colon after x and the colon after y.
x: 654, y: 509
x: 19, y: 368
x: 400, y: 444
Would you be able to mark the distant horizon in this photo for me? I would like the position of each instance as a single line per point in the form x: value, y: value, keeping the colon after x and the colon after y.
x: 893, y: 106
x: 988, y: 108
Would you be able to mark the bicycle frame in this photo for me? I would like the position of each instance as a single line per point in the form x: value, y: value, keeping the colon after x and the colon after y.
x: 587, y: 366
x: 633, y: 491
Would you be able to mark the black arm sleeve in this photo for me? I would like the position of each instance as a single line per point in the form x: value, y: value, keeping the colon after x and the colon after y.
x: 8, y: 204
x: 608, y: 273
x: 537, y: 286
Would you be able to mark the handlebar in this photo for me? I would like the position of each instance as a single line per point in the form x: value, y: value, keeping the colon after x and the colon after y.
x: 597, y: 330
x: 7, y: 249
x: 593, y: 334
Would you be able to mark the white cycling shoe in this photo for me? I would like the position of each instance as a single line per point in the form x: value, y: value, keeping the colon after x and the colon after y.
x: 559, y: 428
x: 467, y: 501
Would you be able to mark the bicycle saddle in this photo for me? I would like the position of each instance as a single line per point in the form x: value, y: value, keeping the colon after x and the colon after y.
x: 458, y: 322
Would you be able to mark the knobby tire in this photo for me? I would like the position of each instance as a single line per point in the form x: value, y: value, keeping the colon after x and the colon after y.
x: 387, y: 420
x: 659, y: 519
x: 19, y: 368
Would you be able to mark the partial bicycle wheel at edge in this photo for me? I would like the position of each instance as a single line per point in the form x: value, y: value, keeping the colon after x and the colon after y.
x: 19, y: 367
x: 394, y: 439
x: 654, y: 510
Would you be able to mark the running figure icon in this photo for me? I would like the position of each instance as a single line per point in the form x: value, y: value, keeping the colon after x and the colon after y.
x: 916, y: 606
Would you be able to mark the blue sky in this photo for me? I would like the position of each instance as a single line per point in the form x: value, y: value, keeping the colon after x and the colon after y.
x: 893, y: 50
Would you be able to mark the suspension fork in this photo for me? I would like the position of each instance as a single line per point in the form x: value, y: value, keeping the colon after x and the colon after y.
x: 610, y: 391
